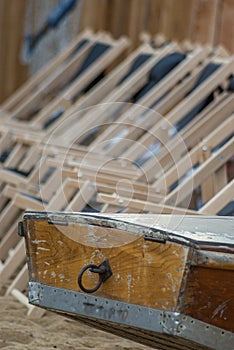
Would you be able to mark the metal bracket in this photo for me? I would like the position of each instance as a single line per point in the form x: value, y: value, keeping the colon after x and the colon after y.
x: 104, y: 271
x: 21, y: 232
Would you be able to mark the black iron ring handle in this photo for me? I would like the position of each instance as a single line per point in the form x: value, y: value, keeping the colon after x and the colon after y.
x: 82, y: 271
x: 103, y: 270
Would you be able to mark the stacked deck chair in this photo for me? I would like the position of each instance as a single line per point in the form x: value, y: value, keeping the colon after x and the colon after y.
x: 154, y: 134
x: 46, y: 96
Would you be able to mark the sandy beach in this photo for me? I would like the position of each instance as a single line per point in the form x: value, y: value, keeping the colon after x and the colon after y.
x: 18, y: 332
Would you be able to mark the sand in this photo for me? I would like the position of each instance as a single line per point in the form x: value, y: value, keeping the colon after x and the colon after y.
x: 52, y: 331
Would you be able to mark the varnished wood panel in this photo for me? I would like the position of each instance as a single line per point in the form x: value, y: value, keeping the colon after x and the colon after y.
x: 144, y: 272
x: 209, y: 296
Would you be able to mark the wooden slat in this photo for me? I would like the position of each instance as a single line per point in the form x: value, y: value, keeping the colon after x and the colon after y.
x: 199, y: 175
x: 218, y: 202
x: 144, y: 206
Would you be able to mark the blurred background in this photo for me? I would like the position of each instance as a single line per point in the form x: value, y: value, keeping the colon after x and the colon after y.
x: 204, y: 21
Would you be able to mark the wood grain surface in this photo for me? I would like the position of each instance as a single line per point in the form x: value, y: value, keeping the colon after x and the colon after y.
x: 209, y: 296
x: 144, y: 272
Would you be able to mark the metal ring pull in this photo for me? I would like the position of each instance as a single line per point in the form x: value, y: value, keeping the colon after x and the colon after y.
x: 104, y: 271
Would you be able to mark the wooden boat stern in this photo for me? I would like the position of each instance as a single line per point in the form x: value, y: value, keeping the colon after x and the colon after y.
x: 155, y: 279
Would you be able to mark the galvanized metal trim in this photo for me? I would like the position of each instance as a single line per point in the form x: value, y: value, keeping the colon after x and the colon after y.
x: 171, y: 323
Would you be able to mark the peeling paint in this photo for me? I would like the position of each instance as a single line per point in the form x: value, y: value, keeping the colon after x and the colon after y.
x: 149, y: 258
x: 97, y: 253
x: 36, y: 241
x: 129, y: 277
x: 44, y: 249
x: 117, y: 277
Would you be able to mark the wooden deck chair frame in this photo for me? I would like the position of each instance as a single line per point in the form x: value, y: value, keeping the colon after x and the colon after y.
x: 99, y: 114
x: 66, y: 99
x: 216, y: 180
x: 158, y: 130
x: 98, y: 92
x: 143, y: 206
x: 207, y: 144
x: 208, y: 167
x: 32, y: 83
x: 62, y: 100
x: 157, y: 92
x: 200, y: 127
x: 218, y: 202
x: 52, y: 82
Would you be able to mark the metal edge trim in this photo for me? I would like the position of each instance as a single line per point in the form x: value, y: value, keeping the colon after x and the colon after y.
x: 149, y: 319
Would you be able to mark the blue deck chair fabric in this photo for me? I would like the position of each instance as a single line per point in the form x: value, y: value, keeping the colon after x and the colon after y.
x: 77, y: 48
x: 53, y: 117
x: 159, y: 71
x: 38, y: 199
x: 19, y: 172
x: 4, y: 155
x: 228, y: 210
x: 96, y: 51
x: 207, y: 72
x: 139, y: 61
x: 231, y: 84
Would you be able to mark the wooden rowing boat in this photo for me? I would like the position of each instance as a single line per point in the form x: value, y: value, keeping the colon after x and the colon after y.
x: 163, y: 280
